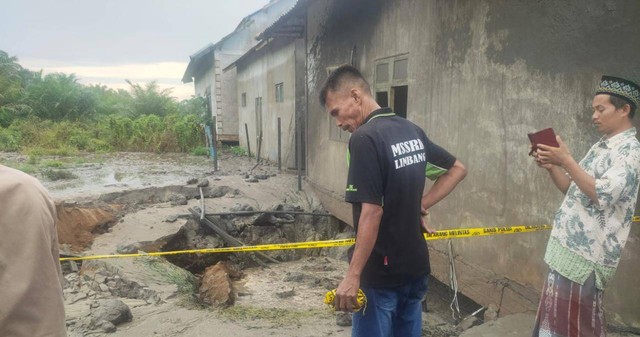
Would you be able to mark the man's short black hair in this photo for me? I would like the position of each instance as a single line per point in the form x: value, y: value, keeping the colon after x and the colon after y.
x: 619, y: 103
x: 340, y: 75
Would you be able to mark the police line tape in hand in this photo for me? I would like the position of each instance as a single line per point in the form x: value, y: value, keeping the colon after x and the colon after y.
x: 330, y: 298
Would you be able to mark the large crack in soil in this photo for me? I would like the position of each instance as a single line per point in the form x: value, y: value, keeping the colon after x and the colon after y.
x: 283, y: 298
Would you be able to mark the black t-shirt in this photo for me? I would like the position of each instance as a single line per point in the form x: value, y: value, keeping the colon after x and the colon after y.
x: 389, y: 158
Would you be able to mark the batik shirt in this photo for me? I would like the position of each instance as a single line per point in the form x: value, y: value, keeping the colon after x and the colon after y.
x: 587, y: 237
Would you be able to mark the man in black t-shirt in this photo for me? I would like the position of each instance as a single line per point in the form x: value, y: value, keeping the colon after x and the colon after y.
x: 389, y: 158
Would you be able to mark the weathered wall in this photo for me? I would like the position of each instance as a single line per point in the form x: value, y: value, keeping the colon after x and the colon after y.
x: 481, y: 75
x: 204, y: 82
x: 201, y: 83
x: 228, y: 50
x: 226, y: 103
x: 257, y: 77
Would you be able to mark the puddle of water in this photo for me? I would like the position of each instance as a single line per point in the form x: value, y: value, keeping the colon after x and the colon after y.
x: 104, y: 173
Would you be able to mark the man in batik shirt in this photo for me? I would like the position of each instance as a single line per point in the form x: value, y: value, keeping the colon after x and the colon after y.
x: 592, y: 225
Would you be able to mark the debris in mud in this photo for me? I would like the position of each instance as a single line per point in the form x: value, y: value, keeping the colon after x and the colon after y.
x: 204, y: 182
x: 286, y: 293
x: 491, y: 314
x: 468, y: 323
x: 241, y: 208
x: 343, y: 319
x: 192, y: 181
x: 127, y: 249
x: 178, y: 199
x: 98, y: 279
x: 107, y: 314
x: 216, y: 288
x: 172, y: 218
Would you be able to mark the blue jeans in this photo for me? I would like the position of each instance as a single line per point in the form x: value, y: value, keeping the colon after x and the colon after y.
x: 392, y: 312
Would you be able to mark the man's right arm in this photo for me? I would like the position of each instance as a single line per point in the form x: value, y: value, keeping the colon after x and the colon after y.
x: 560, y: 178
x: 444, y: 185
x: 557, y: 174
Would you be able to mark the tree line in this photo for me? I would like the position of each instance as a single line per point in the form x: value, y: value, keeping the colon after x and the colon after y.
x: 56, y: 113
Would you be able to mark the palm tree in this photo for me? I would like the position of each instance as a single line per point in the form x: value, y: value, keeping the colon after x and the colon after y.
x: 11, y: 88
x: 151, y: 100
x: 10, y: 80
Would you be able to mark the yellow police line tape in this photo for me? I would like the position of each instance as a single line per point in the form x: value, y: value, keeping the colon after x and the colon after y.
x: 438, y: 235
x: 442, y: 234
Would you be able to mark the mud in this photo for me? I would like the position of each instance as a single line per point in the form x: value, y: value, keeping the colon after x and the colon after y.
x: 77, y: 226
x: 167, y: 296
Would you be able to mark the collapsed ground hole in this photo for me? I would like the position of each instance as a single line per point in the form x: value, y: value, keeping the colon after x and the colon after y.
x: 255, y: 229
x: 192, y: 235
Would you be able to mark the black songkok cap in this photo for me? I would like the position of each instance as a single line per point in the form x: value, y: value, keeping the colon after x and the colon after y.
x: 622, y: 88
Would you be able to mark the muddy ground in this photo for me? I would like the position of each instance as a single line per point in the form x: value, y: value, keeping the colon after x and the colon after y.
x: 135, y: 203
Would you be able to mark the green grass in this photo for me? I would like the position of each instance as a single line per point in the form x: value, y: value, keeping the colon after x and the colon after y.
x: 53, y: 164
x: 54, y: 175
x: 113, y: 133
x: 63, y: 151
x: 200, y: 151
x: 184, y: 280
x: 28, y: 169
x: 238, y: 151
x: 33, y: 159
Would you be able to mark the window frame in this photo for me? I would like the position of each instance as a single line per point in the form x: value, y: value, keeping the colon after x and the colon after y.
x: 279, y: 89
x: 391, y: 82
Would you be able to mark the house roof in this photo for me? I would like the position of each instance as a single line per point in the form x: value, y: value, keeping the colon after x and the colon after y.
x: 197, y: 61
x: 248, y: 54
x: 291, y: 23
x: 200, y: 60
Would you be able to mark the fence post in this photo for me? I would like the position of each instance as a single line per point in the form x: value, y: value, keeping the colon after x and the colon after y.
x: 246, y: 132
x: 279, y: 145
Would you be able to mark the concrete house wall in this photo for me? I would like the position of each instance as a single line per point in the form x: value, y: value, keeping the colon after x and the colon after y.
x: 206, y: 68
x: 481, y: 75
x: 257, y: 77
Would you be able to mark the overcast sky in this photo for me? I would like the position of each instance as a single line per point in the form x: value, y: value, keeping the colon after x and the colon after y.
x: 108, y: 41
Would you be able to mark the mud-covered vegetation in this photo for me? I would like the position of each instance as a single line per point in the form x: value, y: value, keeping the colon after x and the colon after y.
x: 55, y: 114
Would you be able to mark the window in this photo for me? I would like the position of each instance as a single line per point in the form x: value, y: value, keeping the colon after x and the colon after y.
x: 280, y: 92
x: 400, y: 69
x: 391, y: 83
x: 399, y: 94
x: 382, y: 73
x: 382, y: 97
x: 244, y: 99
